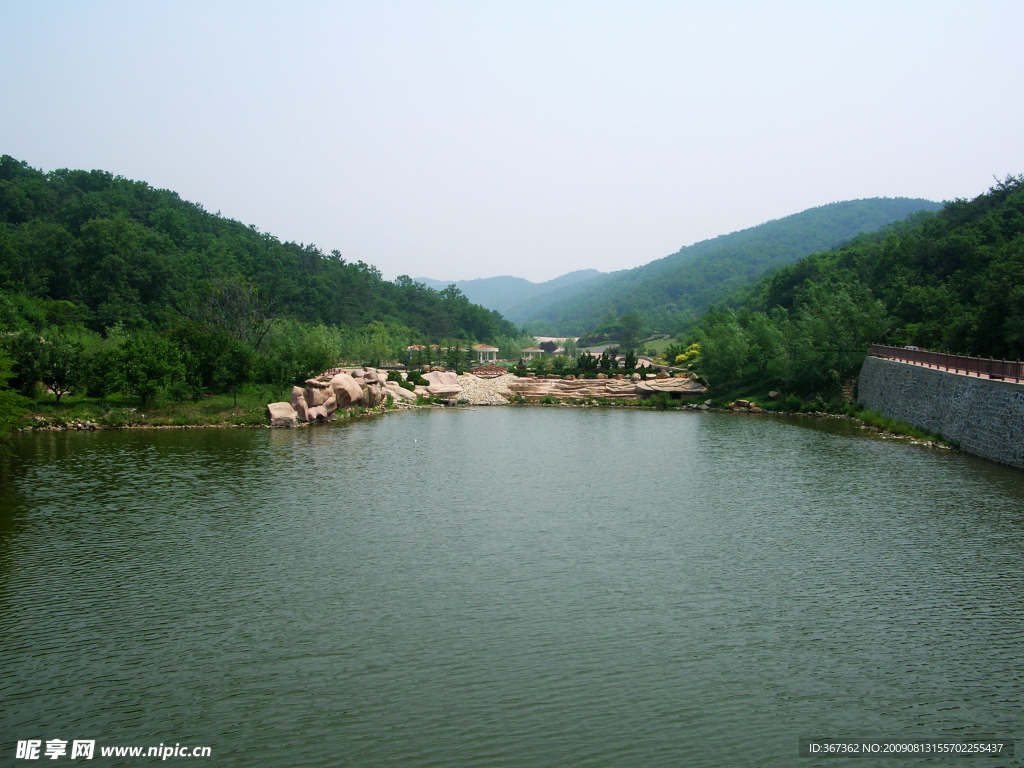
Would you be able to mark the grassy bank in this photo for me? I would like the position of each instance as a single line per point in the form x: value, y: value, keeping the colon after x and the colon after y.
x: 120, y: 411
x: 123, y: 412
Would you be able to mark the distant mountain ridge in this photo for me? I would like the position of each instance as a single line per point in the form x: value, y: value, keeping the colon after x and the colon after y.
x: 676, y: 290
x: 499, y: 293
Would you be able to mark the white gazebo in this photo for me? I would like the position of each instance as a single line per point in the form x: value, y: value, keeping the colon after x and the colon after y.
x: 531, y: 352
x: 486, y: 353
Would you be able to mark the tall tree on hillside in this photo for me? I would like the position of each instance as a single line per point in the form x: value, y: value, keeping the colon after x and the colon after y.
x: 630, y: 332
x: 233, y: 306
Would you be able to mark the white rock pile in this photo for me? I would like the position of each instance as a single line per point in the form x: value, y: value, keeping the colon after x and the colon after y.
x: 489, y: 391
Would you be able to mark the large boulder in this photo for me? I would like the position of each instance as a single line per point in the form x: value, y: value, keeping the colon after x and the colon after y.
x: 330, y: 405
x: 397, y: 392
x: 373, y: 395
x: 316, y: 396
x: 443, y: 383
x: 317, y: 413
x: 346, y: 390
x: 282, y: 415
x: 298, y: 402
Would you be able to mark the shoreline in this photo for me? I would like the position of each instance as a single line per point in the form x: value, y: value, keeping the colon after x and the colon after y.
x: 44, y: 424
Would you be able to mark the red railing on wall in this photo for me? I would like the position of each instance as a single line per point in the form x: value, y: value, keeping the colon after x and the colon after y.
x: 965, y: 364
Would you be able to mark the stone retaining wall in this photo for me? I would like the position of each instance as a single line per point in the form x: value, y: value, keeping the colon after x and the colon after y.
x: 984, y: 416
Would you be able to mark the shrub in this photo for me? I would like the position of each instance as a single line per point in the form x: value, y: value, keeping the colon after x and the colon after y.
x: 415, y: 378
x: 180, y: 391
x: 660, y: 400
x: 791, y: 403
x: 691, y: 353
x: 395, y: 376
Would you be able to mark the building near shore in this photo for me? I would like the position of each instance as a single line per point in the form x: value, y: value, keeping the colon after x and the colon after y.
x: 485, y: 353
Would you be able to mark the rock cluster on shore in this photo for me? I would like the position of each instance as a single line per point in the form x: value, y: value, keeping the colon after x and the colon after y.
x: 619, y: 388
x: 367, y: 387
x: 337, y: 388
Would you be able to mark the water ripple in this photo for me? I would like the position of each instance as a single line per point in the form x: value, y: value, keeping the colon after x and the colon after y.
x: 508, y: 587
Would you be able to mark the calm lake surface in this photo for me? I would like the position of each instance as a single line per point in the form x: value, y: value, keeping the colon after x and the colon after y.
x: 508, y: 587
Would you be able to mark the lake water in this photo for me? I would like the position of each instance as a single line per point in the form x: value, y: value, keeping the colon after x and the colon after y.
x: 508, y: 587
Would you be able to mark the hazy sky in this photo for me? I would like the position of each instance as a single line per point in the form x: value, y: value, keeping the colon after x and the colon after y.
x: 462, y: 140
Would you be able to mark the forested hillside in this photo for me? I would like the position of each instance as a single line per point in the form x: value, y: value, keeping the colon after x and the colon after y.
x: 90, y: 247
x: 669, y: 293
x: 110, y: 286
x: 951, y: 281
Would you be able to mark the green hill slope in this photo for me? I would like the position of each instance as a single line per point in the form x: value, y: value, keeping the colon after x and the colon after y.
x: 92, y: 248
x: 951, y: 281
x: 677, y: 289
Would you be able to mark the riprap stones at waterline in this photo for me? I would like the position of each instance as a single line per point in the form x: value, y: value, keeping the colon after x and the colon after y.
x: 324, y: 394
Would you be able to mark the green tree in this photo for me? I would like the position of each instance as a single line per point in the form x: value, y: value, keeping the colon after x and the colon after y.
x: 233, y: 306
x: 571, y: 350
x: 630, y: 331
x: 147, y: 362
x: 61, y: 363
x: 27, y: 352
x: 233, y: 368
x: 587, y: 362
x: 101, y: 371
x: 767, y: 341
x: 724, y: 346
x: 12, y: 405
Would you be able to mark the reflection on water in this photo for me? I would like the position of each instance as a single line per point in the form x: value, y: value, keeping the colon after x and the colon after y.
x: 508, y: 587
